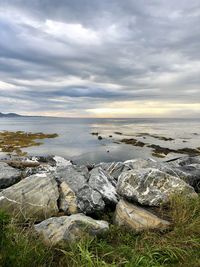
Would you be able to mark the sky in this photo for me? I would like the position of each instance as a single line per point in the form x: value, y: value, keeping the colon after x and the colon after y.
x: 100, y: 58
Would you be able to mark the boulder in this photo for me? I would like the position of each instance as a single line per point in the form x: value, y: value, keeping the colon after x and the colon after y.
x: 113, y: 168
x: 151, y: 186
x: 8, y: 175
x: 70, y: 228
x: 61, y: 162
x: 186, y: 168
x: 44, y: 168
x: 116, y: 168
x: 185, y: 161
x: 104, y: 183
x: 34, y: 197
x: 86, y: 198
x: 89, y: 200
x: 73, y: 176
x: 137, y: 218
x: 135, y: 164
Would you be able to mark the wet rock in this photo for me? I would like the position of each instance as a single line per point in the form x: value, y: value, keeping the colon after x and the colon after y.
x: 151, y: 186
x: 104, y: 183
x: 34, y: 197
x: 95, y: 133
x: 8, y: 175
x: 70, y: 228
x: 133, y: 141
x: 137, y: 218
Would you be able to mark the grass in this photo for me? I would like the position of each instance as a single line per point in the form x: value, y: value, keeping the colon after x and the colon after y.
x: 180, y: 246
x: 13, y: 142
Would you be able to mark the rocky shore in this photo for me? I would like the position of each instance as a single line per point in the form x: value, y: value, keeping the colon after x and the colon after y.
x: 65, y: 200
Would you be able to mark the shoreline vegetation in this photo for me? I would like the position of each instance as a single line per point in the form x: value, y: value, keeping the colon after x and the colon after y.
x: 137, y: 213
x: 13, y: 142
x: 21, y: 247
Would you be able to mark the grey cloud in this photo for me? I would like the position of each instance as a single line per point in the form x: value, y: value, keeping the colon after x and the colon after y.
x: 145, y: 50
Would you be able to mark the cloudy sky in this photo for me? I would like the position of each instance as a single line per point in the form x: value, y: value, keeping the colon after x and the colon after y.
x: 100, y: 58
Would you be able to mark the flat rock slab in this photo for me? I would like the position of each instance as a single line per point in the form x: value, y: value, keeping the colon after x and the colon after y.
x: 8, y: 175
x: 70, y: 228
x: 151, y: 186
x: 137, y: 218
x: 34, y: 197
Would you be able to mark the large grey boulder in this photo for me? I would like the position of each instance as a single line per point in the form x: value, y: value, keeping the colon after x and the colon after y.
x: 186, y: 168
x: 33, y: 197
x: 85, y: 199
x: 73, y: 176
x: 115, y: 169
x: 151, y: 186
x: 89, y: 200
x: 70, y: 228
x: 8, y: 175
x: 105, y: 184
x: 136, y: 218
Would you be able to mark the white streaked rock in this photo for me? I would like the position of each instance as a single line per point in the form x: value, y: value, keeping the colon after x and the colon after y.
x: 34, y: 197
x: 151, y: 186
x: 102, y: 182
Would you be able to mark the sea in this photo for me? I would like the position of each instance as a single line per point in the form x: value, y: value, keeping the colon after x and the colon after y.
x: 76, y: 142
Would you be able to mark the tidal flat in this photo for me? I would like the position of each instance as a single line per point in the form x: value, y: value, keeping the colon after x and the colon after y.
x: 13, y: 142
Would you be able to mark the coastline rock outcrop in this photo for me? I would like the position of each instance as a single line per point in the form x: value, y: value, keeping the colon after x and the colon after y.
x: 70, y: 228
x: 34, y: 197
x: 137, y: 218
x: 8, y: 175
x: 151, y: 186
x: 55, y: 186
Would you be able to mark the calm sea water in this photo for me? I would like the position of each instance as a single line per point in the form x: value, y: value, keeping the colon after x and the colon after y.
x: 75, y: 141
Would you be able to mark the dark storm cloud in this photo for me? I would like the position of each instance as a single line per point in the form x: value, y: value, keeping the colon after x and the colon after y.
x: 74, y: 56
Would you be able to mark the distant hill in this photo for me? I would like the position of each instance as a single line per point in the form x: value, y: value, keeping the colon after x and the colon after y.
x: 9, y: 115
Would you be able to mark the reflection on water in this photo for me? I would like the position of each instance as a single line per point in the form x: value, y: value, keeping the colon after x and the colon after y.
x: 76, y: 142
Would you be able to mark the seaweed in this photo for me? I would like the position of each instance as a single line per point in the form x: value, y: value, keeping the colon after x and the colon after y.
x: 13, y: 142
